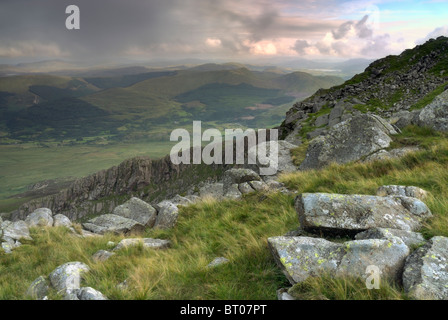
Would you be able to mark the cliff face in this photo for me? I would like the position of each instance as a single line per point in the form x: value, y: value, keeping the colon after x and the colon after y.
x: 102, y: 191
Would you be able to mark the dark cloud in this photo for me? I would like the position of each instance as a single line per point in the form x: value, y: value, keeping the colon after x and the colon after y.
x: 300, y: 46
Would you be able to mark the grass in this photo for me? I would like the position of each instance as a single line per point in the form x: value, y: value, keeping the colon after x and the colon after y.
x: 237, y: 230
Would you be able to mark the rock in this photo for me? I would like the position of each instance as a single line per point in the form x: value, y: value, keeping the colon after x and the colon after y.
x: 67, y: 277
x: 407, y: 191
x: 258, y: 185
x: 233, y: 192
x: 349, y: 141
x: 61, y: 221
x: 315, y: 133
x: 42, y: 217
x: 435, y: 114
x: 214, y: 190
x: 392, y: 154
x: 115, y: 224
x: 38, y: 290
x: 178, y: 200
x: 145, y: 242
x: 7, y: 247
x: 351, y: 214
x: 217, y: 262
x: 388, y: 255
x: 167, y: 215
x: 238, y: 176
x: 17, y: 230
x: 408, y: 237
x: 283, y: 295
x: 304, y: 257
x: 102, y: 256
x: 322, y: 120
x: 425, y: 273
x: 245, y: 188
x: 88, y: 293
x: 278, y: 159
x: 137, y: 210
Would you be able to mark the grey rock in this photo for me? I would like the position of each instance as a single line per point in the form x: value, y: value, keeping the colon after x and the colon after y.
x: 435, y: 115
x: 113, y: 223
x: 278, y: 159
x: 259, y: 185
x: 38, y: 290
x: 407, y: 191
x: 245, y: 188
x: 167, y: 215
x: 137, y: 210
x: 322, y: 120
x: 392, y: 154
x: 213, y: 190
x: 145, y: 242
x: 350, y: 214
x: 178, y: 200
x: 68, y: 276
x: 408, y: 237
x: 425, y: 275
x: 17, y: 230
x: 102, y: 256
x: 233, y: 192
x: 88, y: 293
x: 61, y: 221
x: 349, y: 141
x: 42, y: 217
x: 316, y: 133
x: 238, y: 176
x: 283, y: 295
x: 217, y: 262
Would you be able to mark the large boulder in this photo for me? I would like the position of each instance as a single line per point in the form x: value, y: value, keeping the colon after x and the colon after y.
x: 348, y: 141
x: 351, y: 214
x: 68, y: 276
x: 61, y: 221
x: 167, y: 215
x: 425, y: 273
x: 17, y: 230
x: 303, y: 257
x: 138, y: 210
x: 115, y: 224
x: 435, y: 114
x: 42, y: 217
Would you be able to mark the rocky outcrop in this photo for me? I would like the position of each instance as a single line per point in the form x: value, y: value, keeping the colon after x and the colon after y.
x: 349, y: 141
x: 435, y: 115
x: 138, y: 210
x: 425, y: 274
x: 349, y: 214
x: 167, y: 215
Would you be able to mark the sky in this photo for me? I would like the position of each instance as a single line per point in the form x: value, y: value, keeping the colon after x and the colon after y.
x: 113, y: 30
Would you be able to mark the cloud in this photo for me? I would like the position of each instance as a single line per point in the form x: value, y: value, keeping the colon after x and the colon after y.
x: 300, y: 46
x: 441, y: 31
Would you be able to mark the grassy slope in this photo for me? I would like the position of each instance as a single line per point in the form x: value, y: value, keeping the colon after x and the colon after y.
x: 237, y: 230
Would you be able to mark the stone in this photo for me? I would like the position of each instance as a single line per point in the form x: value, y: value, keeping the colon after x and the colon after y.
x: 61, y: 221
x: 217, y: 262
x: 38, y: 290
x: 435, y: 114
x: 115, y: 224
x: 42, y: 217
x: 88, y: 293
x: 322, y: 120
x: 302, y: 257
x: 233, y: 192
x: 283, y: 295
x: 349, y: 141
x: 425, y: 275
x: 68, y: 276
x: 238, y: 176
x: 351, y: 214
x: 392, y: 154
x: 408, y: 237
x: 276, y: 162
x: 213, y: 190
x: 147, y: 243
x: 258, y: 185
x: 407, y: 191
x: 102, y: 256
x: 167, y: 215
x: 178, y: 200
x: 137, y: 210
x: 245, y: 188
x: 17, y: 230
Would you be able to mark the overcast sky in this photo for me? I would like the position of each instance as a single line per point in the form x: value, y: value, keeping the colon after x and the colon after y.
x: 216, y: 29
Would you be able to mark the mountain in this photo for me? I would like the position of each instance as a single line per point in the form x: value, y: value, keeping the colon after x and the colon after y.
x: 128, y: 102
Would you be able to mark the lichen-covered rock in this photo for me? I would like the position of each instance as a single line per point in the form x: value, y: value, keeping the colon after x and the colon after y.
x: 145, y: 242
x: 259, y: 185
x: 349, y: 141
x: 61, y: 221
x: 351, y: 214
x: 42, y: 217
x: 233, y: 192
x: 238, y: 176
x: 213, y: 190
x: 409, y: 238
x: 167, y: 215
x: 88, y: 293
x: 17, y: 230
x: 38, y: 290
x: 68, y: 276
x: 435, y: 114
x: 115, y: 224
x: 245, y: 188
x: 137, y: 210
x: 391, y: 154
x: 406, y: 191
x: 303, y: 257
x: 388, y: 255
x: 425, y: 273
